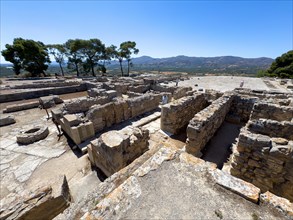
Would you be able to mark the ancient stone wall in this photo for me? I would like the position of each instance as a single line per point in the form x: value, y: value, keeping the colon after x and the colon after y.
x: 241, y: 109
x: 41, y: 92
x: 120, y: 110
x: 205, y: 123
x: 139, y: 88
x: 272, y: 111
x: 175, y: 116
x: 49, y: 100
x: 181, y: 92
x: 264, y: 161
x: 83, y: 104
x: 272, y: 128
x: 37, y: 85
x: 114, y: 150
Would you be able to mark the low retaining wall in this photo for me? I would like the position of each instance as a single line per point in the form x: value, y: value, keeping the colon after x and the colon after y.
x: 241, y: 109
x: 115, y: 112
x: 37, y: 85
x: 23, y: 106
x: 205, y: 123
x: 114, y: 150
x: 181, y: 92
x: 271, y: 111
x: 272, y: 128
x: 264, y: 161
x: 83, y: 104
x: 39, y: 93
x: 176, y: 115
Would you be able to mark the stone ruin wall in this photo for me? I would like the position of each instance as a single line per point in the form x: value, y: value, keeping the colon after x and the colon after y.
x: 241, y: 109
x: 175, y: 116
x: 42, y: 92
x: 272, y: 111
x: 114, y: 150
x: 263, y: 154
x: 122, y: 110
x: 37, y: 85
x: 83, y: 104
x: 205, y: 123
x: 181, y: 92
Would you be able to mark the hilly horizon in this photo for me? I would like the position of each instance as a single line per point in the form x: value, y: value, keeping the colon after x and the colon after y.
x: 218, y: 64
x: 181, y: 63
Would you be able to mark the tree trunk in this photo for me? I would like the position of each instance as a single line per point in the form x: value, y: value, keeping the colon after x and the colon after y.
x: 93, y: 71
x: 120, y: 61
x: 61, y: 69
x: 128, y: 61
x: 77, y: 72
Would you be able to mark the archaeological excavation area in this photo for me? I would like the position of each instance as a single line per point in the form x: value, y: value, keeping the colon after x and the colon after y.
x: 145, y: 148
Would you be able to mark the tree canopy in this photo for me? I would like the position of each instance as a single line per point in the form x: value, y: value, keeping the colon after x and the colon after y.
x: 29, y: 55
x: 283, y: 66
x: 83, y: 56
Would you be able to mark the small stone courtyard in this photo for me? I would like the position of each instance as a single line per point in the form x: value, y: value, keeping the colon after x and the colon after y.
x: 142, y: 147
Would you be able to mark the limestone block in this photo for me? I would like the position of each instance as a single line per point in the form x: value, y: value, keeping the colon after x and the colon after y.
x: 20, y: 107
x: 114, y: 150
x: 7, y: 120
x: 111, y: 94
x: 242, y: 188
x: 44, y: 203
x: 253, y: 163
x: 71, y: 120
x: 281, y: 204
x: 282, y: 152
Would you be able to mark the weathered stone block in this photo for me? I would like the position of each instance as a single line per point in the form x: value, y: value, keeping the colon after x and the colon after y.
x: 281, y: 204
x: 242, y: 188
x: 7, y: 120
x: 44, y: 203
x: 176, y: 115
x: 114, y: 150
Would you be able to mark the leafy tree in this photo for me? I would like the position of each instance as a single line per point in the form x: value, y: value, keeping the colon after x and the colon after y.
x: 120, y: 54
x: 93, y: 51
x: 27, y: 54
x: 12, y: 54
x: 58, y: 51
x: 107, y: 55
x: 283, y: 66
x: 73, y: 52
x: 129, y: 47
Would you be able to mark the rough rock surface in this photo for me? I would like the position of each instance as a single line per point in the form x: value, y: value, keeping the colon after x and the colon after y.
x: 44, y: 203
x: 114, y: 150
x: 149, y: 192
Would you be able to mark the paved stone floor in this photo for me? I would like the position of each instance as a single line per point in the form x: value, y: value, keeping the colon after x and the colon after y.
x: 227, y: 83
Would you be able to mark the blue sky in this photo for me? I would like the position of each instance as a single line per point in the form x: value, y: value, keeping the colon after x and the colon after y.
x: 160, y: 28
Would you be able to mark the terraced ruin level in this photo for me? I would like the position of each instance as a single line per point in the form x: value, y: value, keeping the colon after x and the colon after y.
x: 142, y: 147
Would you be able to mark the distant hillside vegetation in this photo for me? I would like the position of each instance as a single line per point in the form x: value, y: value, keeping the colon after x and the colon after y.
x: 282, y: 66
x: 222, y: 64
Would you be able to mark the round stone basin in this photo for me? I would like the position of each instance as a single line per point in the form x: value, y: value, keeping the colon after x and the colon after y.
x: 32, y: 135
x: 32, y: 130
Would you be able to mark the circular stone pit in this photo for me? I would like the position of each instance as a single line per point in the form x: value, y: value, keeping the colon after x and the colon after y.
x: 32, y: 135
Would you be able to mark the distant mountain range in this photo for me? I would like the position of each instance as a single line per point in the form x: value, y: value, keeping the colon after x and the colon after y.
x: 201, y: 64
x: 221, y: 64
